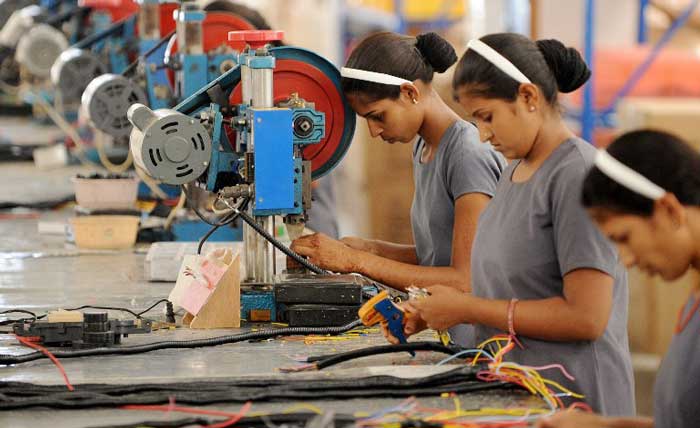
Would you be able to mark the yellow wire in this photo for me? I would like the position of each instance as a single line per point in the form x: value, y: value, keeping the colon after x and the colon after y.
x: 303, y: 406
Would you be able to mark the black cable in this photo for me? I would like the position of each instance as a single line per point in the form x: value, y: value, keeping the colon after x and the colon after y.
x: 214, y: 228
x: 226, y: 221
x: 286, y: 250
x: 201, y: 216
x: 183, y: 344
x: 460, y: 380
x: 105, y: 308
x: 152, y: 306
x: 169, y: 312
x: 19, y: 311
x: 148, y: 53
x: 322, y: 362
x: 287, y: 419
x: 176, y: 423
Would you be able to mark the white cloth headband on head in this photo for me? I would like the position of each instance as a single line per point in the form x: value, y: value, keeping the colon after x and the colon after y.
x: 372, y: 76
x: 626, y: 176
x: 501, y: 62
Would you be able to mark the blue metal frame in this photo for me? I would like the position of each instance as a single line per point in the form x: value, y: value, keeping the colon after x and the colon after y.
x: 589, y: 116
x: 642, y: 30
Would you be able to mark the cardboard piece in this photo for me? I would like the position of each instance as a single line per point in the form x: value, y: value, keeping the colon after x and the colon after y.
x: 679, y: 116
x: 653, y: 309
x: 209, y: 289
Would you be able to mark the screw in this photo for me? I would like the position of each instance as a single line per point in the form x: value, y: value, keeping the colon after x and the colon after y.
x: 191, y: 121
x: 205, y: 163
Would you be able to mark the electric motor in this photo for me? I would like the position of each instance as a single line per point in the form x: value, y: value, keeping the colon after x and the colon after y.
x: 39, y: 48
x: 106, y: 101
x: 72, y: 72
x: 170, y: 146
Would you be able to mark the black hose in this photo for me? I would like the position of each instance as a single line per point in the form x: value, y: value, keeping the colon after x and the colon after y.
x: 280, y: 246
x: 148, y: 53
x: 58, y: 19
x: 322, y: 362
x: 182, y: 344
x: 176, y: 423
x: 459, y: 380
x: 263, y: 421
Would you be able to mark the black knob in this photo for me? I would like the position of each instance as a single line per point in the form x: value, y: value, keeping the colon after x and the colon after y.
x: 95, y: 317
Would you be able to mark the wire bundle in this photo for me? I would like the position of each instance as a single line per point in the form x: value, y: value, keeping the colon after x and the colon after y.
x: 19, y: 395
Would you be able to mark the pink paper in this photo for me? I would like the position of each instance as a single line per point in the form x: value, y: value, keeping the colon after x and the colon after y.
x: 195, y: 296
x: 212, y: 272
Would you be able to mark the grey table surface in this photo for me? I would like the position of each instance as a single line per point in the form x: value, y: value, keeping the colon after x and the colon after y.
x: 41, y: 272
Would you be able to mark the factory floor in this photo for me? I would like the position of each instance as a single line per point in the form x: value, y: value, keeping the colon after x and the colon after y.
x: 41, y: 272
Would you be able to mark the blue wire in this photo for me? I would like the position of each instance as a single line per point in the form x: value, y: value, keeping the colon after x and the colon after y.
x: 466, y: 352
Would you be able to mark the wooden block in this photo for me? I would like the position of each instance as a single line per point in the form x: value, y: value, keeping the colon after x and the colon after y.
x: 223, y: 308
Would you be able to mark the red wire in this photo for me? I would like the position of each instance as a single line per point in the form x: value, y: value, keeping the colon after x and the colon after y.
x: 234, y: 417
x: 581, y: 406
x: 170, y: 408
x: 46, y: 352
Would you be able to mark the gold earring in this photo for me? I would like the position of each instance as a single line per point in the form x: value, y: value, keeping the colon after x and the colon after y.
x: 415, y: 101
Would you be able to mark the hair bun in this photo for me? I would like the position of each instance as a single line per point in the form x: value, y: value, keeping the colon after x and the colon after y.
x: 437, y: 51
x: 569, y: 69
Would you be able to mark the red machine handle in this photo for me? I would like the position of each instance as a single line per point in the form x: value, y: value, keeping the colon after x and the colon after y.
x: 256, y: 38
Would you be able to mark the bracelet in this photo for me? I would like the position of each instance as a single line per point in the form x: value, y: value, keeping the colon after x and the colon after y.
x: 511, y: 310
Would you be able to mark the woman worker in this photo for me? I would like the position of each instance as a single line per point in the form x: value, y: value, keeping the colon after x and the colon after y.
x: 540, y: 268
x: 644, y: 194
x: 387, y: 80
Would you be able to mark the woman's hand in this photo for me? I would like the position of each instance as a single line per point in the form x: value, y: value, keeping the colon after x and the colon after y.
x: 444, y: 308
x: 413, y: 324
x: 327, y: 252
x: 360, y: 244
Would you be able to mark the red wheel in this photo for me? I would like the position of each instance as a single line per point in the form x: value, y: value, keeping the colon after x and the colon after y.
x: 215, y: 27
x: 118, y: 9
x: 314, y: 86
x: 167, y: 23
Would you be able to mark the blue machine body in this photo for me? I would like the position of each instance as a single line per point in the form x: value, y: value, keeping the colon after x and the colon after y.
x: 156, y: 74
x: 274, y: 162
x: 261, y: 300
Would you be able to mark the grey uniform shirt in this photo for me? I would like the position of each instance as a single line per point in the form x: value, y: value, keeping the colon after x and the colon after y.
x: 322, y: 215
x: 530, y: 236
x: 677, y: 389
x: 462, y: 164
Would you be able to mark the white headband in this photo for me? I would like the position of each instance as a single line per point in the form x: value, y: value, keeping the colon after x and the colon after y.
x: 501, y: 62
x: 372, y: 76
x: 627, y: 177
